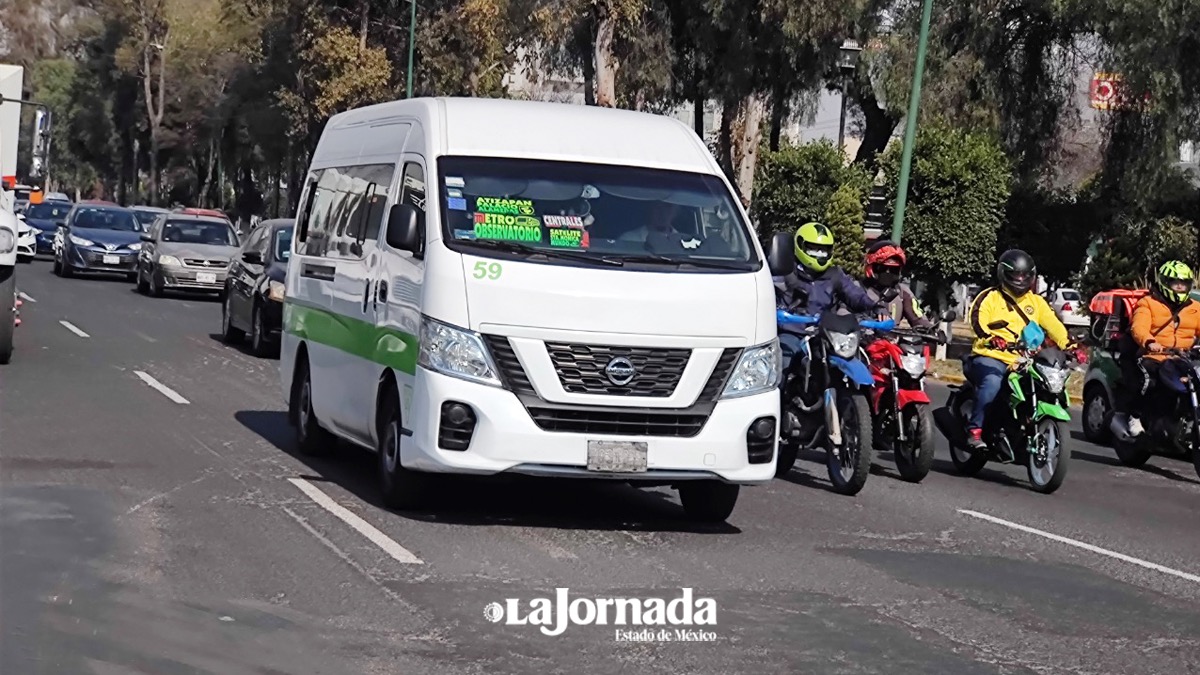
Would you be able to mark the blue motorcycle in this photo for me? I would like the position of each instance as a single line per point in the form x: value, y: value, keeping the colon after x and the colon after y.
x: 825, y: 396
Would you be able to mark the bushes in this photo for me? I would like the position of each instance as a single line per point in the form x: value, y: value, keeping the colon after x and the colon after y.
x: 845, y: 217
x: 795, y: 186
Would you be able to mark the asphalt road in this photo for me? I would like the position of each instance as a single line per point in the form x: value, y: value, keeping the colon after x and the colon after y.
x: 141, y: 534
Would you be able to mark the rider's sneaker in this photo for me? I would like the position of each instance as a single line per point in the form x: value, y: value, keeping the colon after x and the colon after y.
x: 975, y: 439
x: 1135, y: 427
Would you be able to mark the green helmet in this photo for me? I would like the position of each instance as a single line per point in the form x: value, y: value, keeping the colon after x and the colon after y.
x: 814, y: 246
x: 1174, y: 270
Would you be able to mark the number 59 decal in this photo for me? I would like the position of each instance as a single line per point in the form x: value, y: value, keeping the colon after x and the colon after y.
x: 490, y: 270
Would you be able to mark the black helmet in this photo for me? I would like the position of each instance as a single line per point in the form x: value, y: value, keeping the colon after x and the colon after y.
x: 1016, y: 272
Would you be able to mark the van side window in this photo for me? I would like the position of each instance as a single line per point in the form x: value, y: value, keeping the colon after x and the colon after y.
x: 357, y: 209
x: 321, y: 205
x: 412, y: 190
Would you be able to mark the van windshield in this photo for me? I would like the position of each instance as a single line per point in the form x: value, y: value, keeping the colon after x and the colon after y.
x: 572, y: 212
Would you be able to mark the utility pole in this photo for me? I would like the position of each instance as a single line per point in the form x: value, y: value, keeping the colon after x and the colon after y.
x: 910, y: 127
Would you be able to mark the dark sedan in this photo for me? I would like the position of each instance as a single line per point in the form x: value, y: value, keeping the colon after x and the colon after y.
x: 44, y: 218
x: 254, y: 289
x: 98, y: 238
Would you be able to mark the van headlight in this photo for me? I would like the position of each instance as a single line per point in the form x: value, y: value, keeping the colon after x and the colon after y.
x: 844, y: 345
x: 8, y: 241
x: 756, y: 371
x: 455, y: 352
x: 1055, y: 378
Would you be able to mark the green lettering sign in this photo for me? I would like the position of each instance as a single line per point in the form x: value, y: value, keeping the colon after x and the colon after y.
x: 512, y: 207
x: 568, y: 238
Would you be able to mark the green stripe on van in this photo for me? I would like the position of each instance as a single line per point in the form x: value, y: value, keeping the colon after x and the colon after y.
x: 384, y: 346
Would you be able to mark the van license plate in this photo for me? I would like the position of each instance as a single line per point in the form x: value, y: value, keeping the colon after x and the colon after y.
x: 616, y: 457
x: 206, y: 278
x: 112, y: 260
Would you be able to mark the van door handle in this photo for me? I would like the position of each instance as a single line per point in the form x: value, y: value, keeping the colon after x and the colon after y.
x: 366, y: 296
x: 381, y: 296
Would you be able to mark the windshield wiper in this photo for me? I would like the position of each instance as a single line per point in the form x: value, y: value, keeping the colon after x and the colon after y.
x: 516, y: 247
x: 667, y: 260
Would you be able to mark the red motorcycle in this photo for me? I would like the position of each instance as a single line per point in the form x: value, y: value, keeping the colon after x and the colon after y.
x: 899, y: 405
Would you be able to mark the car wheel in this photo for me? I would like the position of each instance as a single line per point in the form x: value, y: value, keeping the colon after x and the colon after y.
x: 57, y: 267
x: 142, y: 286
x: 8, y: 316
x: 1097, y: 415
x: 311, y: 437
x: 229, y: 334
x: 156, y: 287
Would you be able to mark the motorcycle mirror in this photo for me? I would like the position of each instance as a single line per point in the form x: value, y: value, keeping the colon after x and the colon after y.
x: 950, y: 316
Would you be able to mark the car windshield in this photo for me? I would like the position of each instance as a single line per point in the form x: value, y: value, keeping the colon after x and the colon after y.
x: 593, y: 213
x: 48, y: 211
x: 106, y: 219
x: 146, y: 218
x: 283, y: 244
x: 199, y: 232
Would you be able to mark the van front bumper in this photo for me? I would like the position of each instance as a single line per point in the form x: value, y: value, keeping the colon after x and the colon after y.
x: 505, y: 438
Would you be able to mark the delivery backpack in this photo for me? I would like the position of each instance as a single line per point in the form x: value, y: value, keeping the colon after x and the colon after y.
x: 1112, y: 314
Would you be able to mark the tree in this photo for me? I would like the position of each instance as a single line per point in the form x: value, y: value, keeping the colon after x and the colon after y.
x: 147, y: 53
x: 845, y: 216
x: 796, y: 185
x: 958, y: 189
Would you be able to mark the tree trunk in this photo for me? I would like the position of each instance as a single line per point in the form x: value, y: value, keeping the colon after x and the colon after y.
x: 778, y: 115
x: 698, y: 115
x: 208, y: 172
x: 725, y: 138
x: 606, y: 63
x: 746, y: 140
x: 589, y: 82
x: 879, y: 127
x: 362, y: 37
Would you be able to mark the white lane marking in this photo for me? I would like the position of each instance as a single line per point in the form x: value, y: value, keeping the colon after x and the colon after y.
x: 361, y: 526
x: 74, y: 329
x: 161, y: 388
x: 1087, y: 547
x: 25, y: 296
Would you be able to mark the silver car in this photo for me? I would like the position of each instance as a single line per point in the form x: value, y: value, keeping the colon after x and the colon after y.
x: 186, y: 253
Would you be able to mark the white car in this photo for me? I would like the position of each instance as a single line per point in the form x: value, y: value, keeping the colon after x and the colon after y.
x: 1068, y: 305
x: 26, y: 240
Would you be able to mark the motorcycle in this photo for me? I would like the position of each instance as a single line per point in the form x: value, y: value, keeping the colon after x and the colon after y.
x: 899, y: 403
x: 1172, y: 418
x: 834, y: 378
x: 1024, y: 424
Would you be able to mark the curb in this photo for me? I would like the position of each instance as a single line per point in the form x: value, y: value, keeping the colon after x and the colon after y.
x: 959, y: 379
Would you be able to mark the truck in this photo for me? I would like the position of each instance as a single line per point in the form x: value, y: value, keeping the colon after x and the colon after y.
x: 11, y: 79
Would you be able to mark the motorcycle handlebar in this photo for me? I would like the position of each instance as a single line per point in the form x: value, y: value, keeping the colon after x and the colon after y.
x: 785, y: 317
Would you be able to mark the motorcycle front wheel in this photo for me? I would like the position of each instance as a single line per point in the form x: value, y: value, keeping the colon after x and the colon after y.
x: 914, y: 456
x: 1048, y: 476
x: 849, y: 468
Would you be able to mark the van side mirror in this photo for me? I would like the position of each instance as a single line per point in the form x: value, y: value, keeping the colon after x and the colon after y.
x: 404, y: 229
x: 781, y: 256
x: 146, y: 238
x: 252, y: 258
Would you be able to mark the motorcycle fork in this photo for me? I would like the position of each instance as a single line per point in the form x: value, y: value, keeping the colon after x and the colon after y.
x: 833, y: 423
x: 898, y: 419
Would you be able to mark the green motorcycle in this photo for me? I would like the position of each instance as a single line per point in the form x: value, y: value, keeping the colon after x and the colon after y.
x: 1025, y: 424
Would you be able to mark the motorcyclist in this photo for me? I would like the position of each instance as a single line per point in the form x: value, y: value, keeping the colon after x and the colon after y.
x: 1013, y: 303
x: 816, y: 285
x: 883, y: 271
x: 1166, y: 318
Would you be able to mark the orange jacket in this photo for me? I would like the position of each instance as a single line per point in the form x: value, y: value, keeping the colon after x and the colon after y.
x: 1153, y: 322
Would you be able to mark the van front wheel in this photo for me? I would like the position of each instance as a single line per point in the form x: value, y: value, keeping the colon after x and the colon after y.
x: 708, y: 501
x: 401, y: 488
x: 310, y: 436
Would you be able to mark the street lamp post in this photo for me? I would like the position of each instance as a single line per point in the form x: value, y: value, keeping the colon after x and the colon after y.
x: 412, y: 33
x: 910, y: 129
x: 847, y: 62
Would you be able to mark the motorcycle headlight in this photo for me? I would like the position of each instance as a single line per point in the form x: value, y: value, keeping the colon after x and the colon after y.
x: 455, y: 352
x: 169, y: 261
x: 1055, y: 378
x: 844, y: 345
x: 80, y: 241
x: 8, y: 241
x: 275, y: 290
x: 913, y: 364
x: 756, y: 371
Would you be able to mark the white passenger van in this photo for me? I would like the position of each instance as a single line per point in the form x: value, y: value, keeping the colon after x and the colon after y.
x: 481, y: 286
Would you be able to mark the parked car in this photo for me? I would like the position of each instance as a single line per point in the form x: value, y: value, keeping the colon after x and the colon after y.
x: 45, y: 218
x: 186, y: 253
x: 146, y: 215
x: 57, y: 197
x: 98, y: 238
x: 254, y: 289
x: 1068, y: 305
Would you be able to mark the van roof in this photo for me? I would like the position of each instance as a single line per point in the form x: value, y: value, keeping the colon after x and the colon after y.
x: 543, y: 130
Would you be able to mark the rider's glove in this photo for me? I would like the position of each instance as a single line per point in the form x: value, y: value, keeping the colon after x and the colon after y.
x: 998, y: 343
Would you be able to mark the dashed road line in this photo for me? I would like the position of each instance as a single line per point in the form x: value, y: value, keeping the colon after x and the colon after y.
x: 1083, y: 545
x: 74, y: 329
x: 161, y: 388
x: 25, y: 296
x: 389, y: 545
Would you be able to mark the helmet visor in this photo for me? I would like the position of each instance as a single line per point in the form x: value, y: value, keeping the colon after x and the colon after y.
x: 818, y: 252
